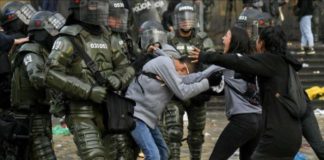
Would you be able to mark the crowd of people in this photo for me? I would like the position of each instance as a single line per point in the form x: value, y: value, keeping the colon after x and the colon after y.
x: 67, y: 66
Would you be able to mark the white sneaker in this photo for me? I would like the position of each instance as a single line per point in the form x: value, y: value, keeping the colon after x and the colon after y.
x: 311, y: 51
x: 302, y: 51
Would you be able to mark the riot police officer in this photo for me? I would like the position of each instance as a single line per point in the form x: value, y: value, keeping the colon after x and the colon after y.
x: 118, y: 23
x: 28, y: 92
x: 121, y: 146
x: 252, y: 19
x: 68, y: 71
x: 14, y: 19
x: 145, y: 10
x: 185, y: 39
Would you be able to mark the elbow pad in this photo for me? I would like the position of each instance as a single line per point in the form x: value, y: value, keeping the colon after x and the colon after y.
x: 68, y: 84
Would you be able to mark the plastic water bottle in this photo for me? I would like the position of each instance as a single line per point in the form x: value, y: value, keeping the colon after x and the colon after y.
x: 300, y: 156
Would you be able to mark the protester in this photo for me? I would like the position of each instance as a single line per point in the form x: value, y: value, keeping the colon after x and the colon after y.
x: 244, y: 128
x: 6, y: 42
x: 305, y: 11
x: 281, y: 137
x: 311, y: 131
x: 161, y: 78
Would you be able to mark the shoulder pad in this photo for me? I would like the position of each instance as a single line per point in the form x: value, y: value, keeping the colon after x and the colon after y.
x: 72, y: 30
x: 30, y: 47
x: 63, y: 45
x: 202, y: 35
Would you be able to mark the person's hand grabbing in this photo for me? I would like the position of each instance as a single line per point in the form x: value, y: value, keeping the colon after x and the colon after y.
x: 194, y: 55
x: 153, y: 47
x: 21, y: 40
x: 215, y: 78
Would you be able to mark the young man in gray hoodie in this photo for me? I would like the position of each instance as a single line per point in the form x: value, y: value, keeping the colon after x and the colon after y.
x: 161, y: 78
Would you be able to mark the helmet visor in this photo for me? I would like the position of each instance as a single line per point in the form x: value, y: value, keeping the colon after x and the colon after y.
x: 95, y: 12
x: 54, y: 23
x: 117, y: 20
x: 25, y: 13
x: 186, y: 20
x: 152, y: 36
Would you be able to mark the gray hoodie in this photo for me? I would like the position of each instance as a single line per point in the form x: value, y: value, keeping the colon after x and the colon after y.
x: 151, y: 101
x: 235, y: 103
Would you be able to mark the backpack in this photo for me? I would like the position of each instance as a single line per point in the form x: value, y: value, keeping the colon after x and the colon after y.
x: 295, y: 100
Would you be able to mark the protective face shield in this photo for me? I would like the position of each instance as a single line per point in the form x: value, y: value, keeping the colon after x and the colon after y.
x: 185, y: 16
x: 144, y: 10
x: 249, y: 20
x: 13, y: 10
x: 48, y: 21
x: 91, y: 11
x: 118, y: 16
x: 151, y: 32
x: 161, y: 6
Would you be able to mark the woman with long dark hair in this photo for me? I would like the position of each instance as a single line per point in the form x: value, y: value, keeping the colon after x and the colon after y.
x: 244, y: 128
x: 281, y: 137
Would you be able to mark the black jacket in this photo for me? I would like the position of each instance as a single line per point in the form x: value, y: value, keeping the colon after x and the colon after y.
x: 282, y: 132
x: 306, y: 8
x: 5, y: 42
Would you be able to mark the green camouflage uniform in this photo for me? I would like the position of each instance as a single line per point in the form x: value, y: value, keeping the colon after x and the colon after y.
x: 121, y: 146
x: 30, y: 102
x: 196, y: 109
x: 69, y: 73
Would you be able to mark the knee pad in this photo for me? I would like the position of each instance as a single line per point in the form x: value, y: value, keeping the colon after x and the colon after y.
x: 41, y: 125
x: 175, y: 134
x: 42, y: 148
x: 173, y: 115
x: 195, y: 138
x: 197, y: 119
x: 88, y: 140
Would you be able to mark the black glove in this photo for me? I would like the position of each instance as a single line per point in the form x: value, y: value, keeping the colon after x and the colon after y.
x: 200, y: 99
x: 215, y: 78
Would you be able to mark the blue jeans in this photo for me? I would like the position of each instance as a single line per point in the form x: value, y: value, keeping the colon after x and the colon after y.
x: 307, y: 38
x: 150, y: 141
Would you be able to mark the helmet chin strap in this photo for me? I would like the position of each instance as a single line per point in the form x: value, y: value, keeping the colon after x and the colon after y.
x: 186, y: 30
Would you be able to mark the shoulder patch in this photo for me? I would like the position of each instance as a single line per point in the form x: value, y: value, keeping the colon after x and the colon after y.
x: 63, y: 44
x: 28, y: 59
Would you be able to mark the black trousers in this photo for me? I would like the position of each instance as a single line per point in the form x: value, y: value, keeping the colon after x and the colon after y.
x: 243, y: 131
x: 312, y: 133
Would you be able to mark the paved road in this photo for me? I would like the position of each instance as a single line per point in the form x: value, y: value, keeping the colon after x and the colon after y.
x: 216, y: 121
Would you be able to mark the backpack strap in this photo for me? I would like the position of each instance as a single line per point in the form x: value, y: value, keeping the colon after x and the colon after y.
x: 148, y: 74
x: 89, y: 62
x: 254, y: 99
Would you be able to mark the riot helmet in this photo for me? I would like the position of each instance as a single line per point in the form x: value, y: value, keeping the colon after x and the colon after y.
x: 44, y: 26
x: 151, y: 32
x: 118, y: 16
x: 185, y: 16
x: 16, y: 15
x: 93, y: 12
x: 249, y: 20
